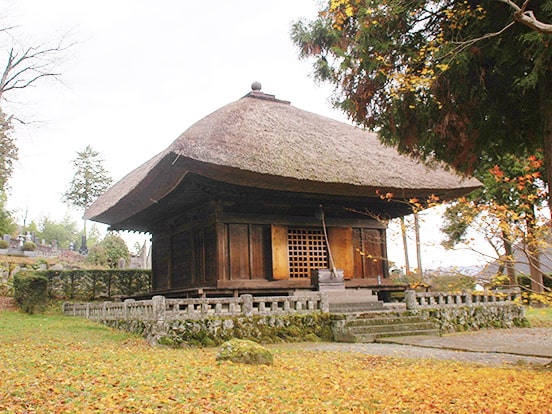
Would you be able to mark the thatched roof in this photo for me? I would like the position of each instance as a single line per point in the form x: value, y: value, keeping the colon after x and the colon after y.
x: 259, y: 141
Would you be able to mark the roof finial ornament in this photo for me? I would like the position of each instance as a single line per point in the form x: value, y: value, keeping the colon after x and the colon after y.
x: 256, y: 86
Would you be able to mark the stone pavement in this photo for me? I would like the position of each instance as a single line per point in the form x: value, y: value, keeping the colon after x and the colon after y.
x: 518, y: 346
x: 533, y: 342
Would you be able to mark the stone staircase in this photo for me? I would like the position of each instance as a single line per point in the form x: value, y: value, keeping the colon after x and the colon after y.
x: 353, y: 301
x: 375, y: 326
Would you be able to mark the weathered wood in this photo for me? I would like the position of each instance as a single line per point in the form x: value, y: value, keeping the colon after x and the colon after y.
x: 369, y: 253
x: 238, y: 239
x: 374, y: 257
x: 289, y: 284
x: 259, y: 251
x: 290, y: 220
x: 280, y: 259
x: 341, y: 245
x: 160, y: 264
x: 211, y: 257
x: 198, y: 274
x: 222, y: 254
x: 182, y: 267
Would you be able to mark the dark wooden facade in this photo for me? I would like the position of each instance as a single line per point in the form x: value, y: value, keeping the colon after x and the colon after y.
x: 235, y: 204
x: 242, y: 240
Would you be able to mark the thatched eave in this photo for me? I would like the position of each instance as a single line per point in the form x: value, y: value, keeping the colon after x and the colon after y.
x: 261, y: 142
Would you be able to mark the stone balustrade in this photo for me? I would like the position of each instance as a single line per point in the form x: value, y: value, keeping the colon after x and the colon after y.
x: 420, y: 300
x: 160, y: 308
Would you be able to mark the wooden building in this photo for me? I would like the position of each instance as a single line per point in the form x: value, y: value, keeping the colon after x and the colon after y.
x: 258, y: 195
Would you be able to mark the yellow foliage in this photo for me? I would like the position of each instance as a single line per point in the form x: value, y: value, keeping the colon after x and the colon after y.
x: 73, y: 366
x: 543, y: 298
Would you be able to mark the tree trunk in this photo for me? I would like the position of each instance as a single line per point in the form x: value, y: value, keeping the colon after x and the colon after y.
x: 509, y: 260
x: 533, y: 254
x: 418, y: 245
x: 405, y: 245
x: 536, y: 274
x: 545, y: 104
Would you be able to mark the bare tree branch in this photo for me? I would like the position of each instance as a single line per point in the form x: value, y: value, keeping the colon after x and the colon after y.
x: 527, y: 17
x: 25, y: 67
x: 465, y: 44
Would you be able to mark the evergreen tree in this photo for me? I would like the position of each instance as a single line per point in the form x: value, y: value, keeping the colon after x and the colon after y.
x: 461, y: 81
x: 90, y: 180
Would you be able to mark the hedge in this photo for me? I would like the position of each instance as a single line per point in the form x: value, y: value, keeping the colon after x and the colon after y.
x: 96, y: 284
x: 30, y: 291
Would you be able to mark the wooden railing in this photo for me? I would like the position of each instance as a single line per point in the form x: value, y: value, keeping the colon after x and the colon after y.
x: 160, y: 308
x: 417, y: 300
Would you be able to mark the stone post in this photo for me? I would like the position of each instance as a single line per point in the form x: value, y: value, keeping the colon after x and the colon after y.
x: 458, y: 300
x: 205, y: 307
x: 324, y: 303
x: 125, y: 308
x: 104, y: 311
x: 468, y: 295
x: 410, y: 299
x: 159, y: 306
x: 247, y: 305
x: 286, y: 306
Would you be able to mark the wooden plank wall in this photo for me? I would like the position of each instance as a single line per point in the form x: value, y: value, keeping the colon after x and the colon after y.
x: 160, y: 263
x: 369, y: 252
x: 244, y: 251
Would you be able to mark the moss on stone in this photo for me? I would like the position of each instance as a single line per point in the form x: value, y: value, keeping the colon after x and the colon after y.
x: 245, y: 352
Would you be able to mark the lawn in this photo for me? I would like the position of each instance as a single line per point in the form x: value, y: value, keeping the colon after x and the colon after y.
x: 539, y: 317
x: 54, y: 364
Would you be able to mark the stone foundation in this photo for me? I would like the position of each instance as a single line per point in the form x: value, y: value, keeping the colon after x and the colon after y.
x: 214, y: 331
x: 467, y: 318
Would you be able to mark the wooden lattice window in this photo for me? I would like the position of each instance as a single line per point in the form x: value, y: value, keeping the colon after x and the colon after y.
x: 306, y: 251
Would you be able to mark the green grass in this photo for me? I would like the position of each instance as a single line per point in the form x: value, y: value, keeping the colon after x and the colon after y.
x: 57, y: 364
x: 539, y: 317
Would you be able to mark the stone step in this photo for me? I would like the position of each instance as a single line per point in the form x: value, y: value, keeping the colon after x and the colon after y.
x: 344, y: 296
x: 366, y: 321
x: 371, y: 326
x: 355, y: 307
x: 376, y: 329
x: 380, y: 337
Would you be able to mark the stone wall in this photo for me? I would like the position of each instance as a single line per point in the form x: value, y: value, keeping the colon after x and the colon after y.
x: 211, y: 321
x: 474, y: 317
x: 212, y: 331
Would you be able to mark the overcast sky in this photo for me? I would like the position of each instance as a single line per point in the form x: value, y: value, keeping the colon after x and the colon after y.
x: 140, y: 73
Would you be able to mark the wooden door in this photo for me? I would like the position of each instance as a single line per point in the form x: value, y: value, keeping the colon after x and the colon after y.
x: 341, y: 246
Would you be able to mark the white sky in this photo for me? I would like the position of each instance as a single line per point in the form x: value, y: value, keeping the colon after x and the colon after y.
x: 140, y: 74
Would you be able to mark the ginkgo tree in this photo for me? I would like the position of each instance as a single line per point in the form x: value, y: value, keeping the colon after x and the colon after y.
x: 460, y: 81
